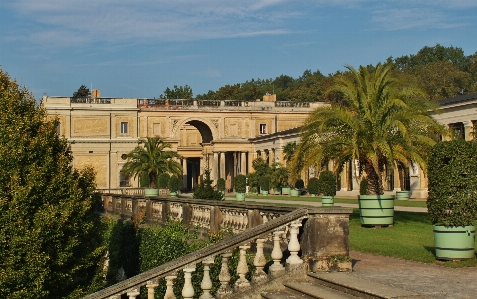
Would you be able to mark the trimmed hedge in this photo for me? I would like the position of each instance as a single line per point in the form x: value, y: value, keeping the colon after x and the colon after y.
x: 314, y: 186
x: 327, y: 183
x: 265, y: 183
x: 163, y: 180
x: 240, y: 182
x: 299, y: 184
x: 452, y: 199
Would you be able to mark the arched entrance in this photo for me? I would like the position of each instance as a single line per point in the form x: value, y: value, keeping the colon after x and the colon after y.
x: 195, y: 145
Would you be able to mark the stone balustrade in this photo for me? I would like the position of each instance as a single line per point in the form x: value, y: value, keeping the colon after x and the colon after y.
x: 319, y: 234
x: 210, y: 216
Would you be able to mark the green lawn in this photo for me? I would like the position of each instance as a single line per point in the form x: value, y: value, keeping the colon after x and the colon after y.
x: 402, y: 203
x: 411, y: 238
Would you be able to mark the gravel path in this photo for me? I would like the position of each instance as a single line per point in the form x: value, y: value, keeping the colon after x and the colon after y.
x: 433, y: 281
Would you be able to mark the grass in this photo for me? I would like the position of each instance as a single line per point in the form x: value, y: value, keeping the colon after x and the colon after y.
x: 402, y: 203
x: 411, y: 238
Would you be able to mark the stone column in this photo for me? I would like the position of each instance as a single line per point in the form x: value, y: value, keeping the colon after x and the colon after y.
x: 243, y: 166
x: 215, y: 167
x: 222, y: 166
x: 184, y: 172
x: 468, y: 130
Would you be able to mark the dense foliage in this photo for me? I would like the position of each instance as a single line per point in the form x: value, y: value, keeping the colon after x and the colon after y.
x: 152, y: 159
x: 314, y: 186
x: 82, y: 92
x: 205, y: 190
x: 265, y: 183
x: 181, y: 92
x: 452, y: 197
x: 221, y: 184
x: 299, y: 184
x: 51, y: 241
x: 175, y: 183
x: 163, y: 180
x: 279, y: 177
x: 384, y: 123
x: 327, y: 183
x: 441, y: 71
x: 240, y: 183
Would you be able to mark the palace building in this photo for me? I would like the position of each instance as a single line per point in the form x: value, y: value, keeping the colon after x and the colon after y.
x: 228, y: 135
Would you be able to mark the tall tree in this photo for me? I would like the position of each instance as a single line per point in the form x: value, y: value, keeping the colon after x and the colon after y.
x: 82, y: 92
x: 179, y: 92
x: 383, y: 124
x: 152, y: 159
x: 50, y: 236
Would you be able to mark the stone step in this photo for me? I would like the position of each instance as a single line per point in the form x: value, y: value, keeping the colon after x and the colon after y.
x: 358, y: 287
x: 306, y: 290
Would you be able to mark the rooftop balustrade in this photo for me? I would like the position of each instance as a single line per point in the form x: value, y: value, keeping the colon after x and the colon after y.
x: 317, y: 233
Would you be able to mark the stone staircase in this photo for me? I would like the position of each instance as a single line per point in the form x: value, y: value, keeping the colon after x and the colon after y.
x: 335, y: 285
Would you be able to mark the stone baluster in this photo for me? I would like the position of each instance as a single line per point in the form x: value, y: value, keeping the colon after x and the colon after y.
x: 276, y: 269
x: 169, y: 287
x: 188, y: 289
x: 151, y: 285
x: 133, y: 293
x: 294, y: 246
x: 242, y: 269
x: 259, y: 262
x: 206, y: 284
x: 224, y: 277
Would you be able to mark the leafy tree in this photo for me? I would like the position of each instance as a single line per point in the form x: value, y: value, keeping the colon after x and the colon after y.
x: 289, y: 151
x: 152, y: 159
x: 261, y: 167
x: 51, y: 243
x: 384, y: 123
x: 181, y: 92
x: 82, y: 92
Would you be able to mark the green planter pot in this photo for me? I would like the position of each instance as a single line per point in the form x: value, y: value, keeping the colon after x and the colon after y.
x: 151, y: 192
x: 327, y: 201
x: 376, y: 210
x: 173, y: 194
x: 264, y: 192
x: 286, y: 190
x: 313, y: 195
x: 276, y: 191
x: 402, y: 195
x: 294, y: 192
x: 454, y: 242
x: 240, y: 196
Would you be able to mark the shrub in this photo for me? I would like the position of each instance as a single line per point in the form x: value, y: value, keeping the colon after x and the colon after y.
x: 240, y: 183
x: 252, y: 179
x: 163, y: 180
x: 205, y: 190
x: 314, y: 186
x: 299, y: 184
x: 363, y: 186
x: 265, y: 183
x: 175, y: 184
x: 221, y: 184
x: 327, y: 183
x: 452, y: 199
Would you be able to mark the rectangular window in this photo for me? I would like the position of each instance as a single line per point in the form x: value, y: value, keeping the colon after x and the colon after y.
x: 263, y: 128
x: 124, y: 127
x: 124, y: 180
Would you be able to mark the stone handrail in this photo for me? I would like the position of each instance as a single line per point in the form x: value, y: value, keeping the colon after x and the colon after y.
x: 211, y: 216
x: 325, y: 234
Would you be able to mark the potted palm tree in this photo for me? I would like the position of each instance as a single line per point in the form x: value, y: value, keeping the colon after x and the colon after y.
x: 313, y: 187
x: 240, y: 185
x: 151, y: 160
x: 452, y: 199
x: 265, y: 184
x: 327, y: 187
x: 382, y: 123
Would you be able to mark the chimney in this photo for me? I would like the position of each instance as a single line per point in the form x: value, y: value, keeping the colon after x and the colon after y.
x: 96, y: 93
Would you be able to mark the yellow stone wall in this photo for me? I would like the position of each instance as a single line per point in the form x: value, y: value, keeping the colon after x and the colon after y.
x: 233, y: 128
x: 131, y: 126
x: 100, y: 164
x: 90, y: 126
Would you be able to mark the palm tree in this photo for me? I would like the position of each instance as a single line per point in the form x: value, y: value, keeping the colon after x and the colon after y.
x: 152, y: 159
x: 383, y: 124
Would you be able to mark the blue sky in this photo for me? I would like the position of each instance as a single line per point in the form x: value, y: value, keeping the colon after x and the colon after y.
x: 139, y: 48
